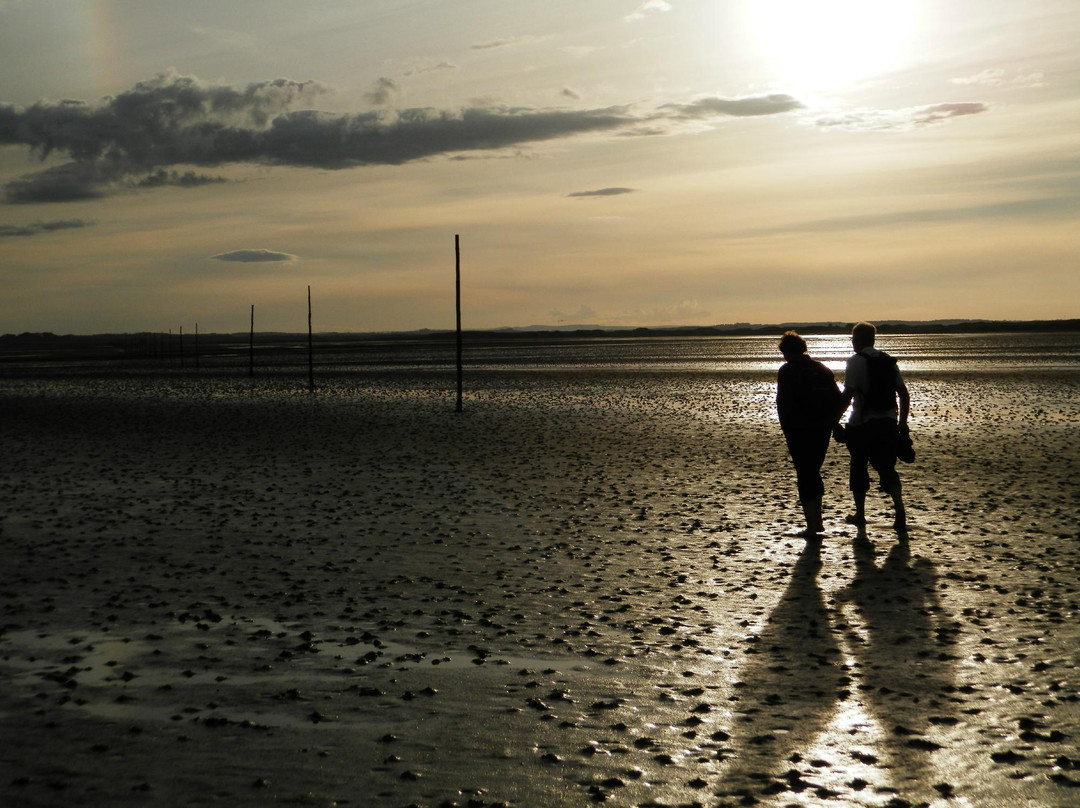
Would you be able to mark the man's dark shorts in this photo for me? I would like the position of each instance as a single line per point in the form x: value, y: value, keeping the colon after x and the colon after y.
x: 875, y: 443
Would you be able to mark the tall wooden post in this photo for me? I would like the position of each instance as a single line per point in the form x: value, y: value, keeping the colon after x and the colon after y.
x: 457, y: 288
x: 310, y: 353
x: 251, y: 344
x: 196, y: 346
x: 181, y: 346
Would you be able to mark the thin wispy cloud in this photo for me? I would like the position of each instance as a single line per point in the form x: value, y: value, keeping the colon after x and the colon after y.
x: 647, y: 8
x: 615, y: 191
x: 682, y: 311
x: 430, y: 68
x: 1058, y: 208
x: 584, y: 314
x: 254, y: 256
x: 581, y: 51
x: 501, y: 43
x: 37, y: 228
x: 883, y: 120
x: 997, y: 77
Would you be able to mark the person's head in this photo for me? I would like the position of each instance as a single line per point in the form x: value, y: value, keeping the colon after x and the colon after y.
x: 862, y: 335
x: 792, y: 345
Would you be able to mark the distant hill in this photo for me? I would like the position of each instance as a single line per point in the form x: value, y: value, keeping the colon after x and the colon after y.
x: 955, y: 326
x: 11, y: 344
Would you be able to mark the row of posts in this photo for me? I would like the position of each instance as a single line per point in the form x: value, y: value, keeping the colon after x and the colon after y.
x: 161, y: 345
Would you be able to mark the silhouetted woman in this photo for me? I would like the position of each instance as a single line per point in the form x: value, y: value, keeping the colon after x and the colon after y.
x: 806, y: 401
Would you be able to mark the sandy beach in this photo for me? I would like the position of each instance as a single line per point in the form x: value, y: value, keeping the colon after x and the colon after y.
x: 584, y: 588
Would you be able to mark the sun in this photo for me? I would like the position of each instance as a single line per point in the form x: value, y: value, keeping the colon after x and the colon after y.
x: 827, y: 45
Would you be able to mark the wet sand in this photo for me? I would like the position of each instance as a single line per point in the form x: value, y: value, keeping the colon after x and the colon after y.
x: 584, y: 588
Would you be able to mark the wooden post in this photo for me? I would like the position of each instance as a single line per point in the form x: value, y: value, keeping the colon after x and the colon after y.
x: 310, y: 354
x: 457, y: 288
x: 181, y: 346
x: 196, y: 346
x: 251, y: 344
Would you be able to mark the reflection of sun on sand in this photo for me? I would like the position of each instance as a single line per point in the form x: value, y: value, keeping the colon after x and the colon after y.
x: 229, y: 592
x: 789, y: 685
x: 903, y: 655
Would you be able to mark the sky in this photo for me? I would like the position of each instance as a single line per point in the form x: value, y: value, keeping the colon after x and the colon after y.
x: 169, y: 165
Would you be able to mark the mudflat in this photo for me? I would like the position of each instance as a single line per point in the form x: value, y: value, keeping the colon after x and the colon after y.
x: 585, y: 587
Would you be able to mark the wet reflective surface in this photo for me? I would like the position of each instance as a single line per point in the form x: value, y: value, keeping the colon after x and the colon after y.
x: 584, y: 588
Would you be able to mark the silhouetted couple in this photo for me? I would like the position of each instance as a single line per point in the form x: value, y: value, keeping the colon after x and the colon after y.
x: 810, y: 406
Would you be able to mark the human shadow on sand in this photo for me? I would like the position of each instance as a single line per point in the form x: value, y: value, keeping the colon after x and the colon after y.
x: 795, y: 679
x: 790, y: 686
x: 903, y: 661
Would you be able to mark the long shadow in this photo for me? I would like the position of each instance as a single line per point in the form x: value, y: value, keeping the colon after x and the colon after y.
x: 788, y: 692
x: 905, y: 668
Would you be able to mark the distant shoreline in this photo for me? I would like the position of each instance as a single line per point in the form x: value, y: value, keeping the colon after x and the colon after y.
x: 48, y: 339
x: 19, y: 349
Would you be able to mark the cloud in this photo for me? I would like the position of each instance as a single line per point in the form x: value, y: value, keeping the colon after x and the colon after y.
x: 873, y: 120
x: 383, y: 92
x: 991, y: 77
x: 177, y: 120
x: 569, y: 93
x: 187, y: 179
x: 69, y: 182
x: 1061, y: 208
x: 140, y: 137
x: 254, y: 256
x: 42, y: 227
x: 603, y: 192
x: 500, y: 43
x: 585, y: 314
x: 168, y: 120
x: 648, y: 7
x: 672, y: 314
x: 581, y: 51
x: 996, y: 77
x: 133, y: 124
x: 427, y: 67
x: 750, y: 106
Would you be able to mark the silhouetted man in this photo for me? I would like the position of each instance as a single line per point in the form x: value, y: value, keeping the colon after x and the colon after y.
x: 872, y: 383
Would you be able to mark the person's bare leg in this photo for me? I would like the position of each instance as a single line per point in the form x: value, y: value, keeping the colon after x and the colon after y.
x: 812, y: 512
x: 859, y: 517
x: 896, y: 493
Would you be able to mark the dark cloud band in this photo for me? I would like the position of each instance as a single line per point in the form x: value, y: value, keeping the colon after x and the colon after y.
x: 175, y: 120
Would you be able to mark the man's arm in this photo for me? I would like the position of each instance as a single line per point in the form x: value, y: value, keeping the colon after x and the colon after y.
x: 845, y: 401
x: 905, y: 404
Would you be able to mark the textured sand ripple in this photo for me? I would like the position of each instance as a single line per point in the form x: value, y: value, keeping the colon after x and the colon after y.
x: 583, y: 588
